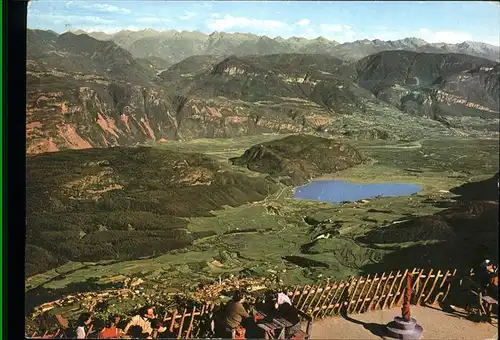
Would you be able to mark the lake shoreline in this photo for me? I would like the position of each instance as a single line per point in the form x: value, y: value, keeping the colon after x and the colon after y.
x: 338, y: 191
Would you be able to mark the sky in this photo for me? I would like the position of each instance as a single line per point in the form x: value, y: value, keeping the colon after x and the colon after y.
x: 433, y: 21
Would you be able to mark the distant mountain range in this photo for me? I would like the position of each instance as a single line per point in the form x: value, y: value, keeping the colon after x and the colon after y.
x: 84, y: 92
x: 175, y: 46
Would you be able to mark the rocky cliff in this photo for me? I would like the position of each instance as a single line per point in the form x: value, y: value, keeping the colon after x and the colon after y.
x: 438, y: 86
x: 83, y: 93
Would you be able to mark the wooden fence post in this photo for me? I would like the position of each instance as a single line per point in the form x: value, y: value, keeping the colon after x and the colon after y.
x: 361, y: 297
x: 322, y: 307
x: 340, y: 298
x: 431, y: 290
x: 179, y: 335
x: 443, y: 281
x: 202, y: 312
x: 383, y: 293
x: 304, y: 304
x: 172, y: 322
x: 314, y: 297
x: 398, y: 291
x: 416, y: 284
x: 365, y: 299
x: 421, y: 288
x: 190, y: 328
x: 372, y: 301
x: 332, y: 299
x: 295, y: 293
x: 319, y: 299
x: 422, y: 292
x: 302, y: 294
x: 352, y: 294
x: 396, y: 276
x: 449, y: 286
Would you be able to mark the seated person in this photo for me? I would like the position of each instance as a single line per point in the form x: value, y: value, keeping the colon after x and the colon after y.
x: 486, y: 275
x: 143, y: 319
x: 234, y: 313
x: 136, y: 332
x: 288, y: 312
x: 110, y: 330
x: 84, y: 320
x: 492, y: 280
x: 268, y: 307
x: 160, y: 331
x: 283, y: 298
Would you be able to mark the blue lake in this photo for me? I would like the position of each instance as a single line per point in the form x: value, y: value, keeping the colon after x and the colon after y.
x: 336, y: 191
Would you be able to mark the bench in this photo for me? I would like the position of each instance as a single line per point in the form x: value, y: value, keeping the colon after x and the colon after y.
x: 489, y: 303
x: 485, y: 302
x: 490, y: 300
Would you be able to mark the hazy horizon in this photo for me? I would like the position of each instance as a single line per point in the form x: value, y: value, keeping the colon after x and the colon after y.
x: 434, y: 22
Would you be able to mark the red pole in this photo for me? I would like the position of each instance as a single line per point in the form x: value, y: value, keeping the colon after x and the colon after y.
x: 405, y: 309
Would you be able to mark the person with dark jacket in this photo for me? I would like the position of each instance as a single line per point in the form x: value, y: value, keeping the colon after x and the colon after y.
x: 287, y: 311
x: 159, y: 330
x: 291, y: 314
x: 486, y: 274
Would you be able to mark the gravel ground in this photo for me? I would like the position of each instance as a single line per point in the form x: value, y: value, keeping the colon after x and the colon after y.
x: 436, y: 324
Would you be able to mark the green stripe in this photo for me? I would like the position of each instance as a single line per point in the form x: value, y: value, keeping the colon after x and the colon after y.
x: 1, y: 171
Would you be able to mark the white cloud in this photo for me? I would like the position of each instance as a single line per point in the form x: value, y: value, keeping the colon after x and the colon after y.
x: 428, y: 35
x: 188, y: 15
x: 334, y: 28
x: 229, y: 22
x: 303, y: 22
x: 99, y: 7
x: 111, y: 8
x: 108, y: 29
x: 443, y: 36
x: 152, y: 20
x: 69, y: 19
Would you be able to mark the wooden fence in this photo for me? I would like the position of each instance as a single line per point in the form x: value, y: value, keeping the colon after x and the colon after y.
x: 354, y: 295
x: 379, y: 291
x: 183, y: 325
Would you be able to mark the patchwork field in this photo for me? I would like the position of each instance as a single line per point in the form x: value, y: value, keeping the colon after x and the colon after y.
x: 298, y: 241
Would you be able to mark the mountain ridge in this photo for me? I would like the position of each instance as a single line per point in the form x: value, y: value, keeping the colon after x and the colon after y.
x: 142, y: 44
x: 83, y: 92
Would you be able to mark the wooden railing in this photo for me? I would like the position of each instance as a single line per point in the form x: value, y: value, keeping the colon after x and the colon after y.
x: 361, y: 294
x: 353, y: 295
x: 180, y: 329
x: 379, y: 291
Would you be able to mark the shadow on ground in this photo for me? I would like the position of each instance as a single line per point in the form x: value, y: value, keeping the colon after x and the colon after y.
x: 456, y: 313
x: 374, y: 328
